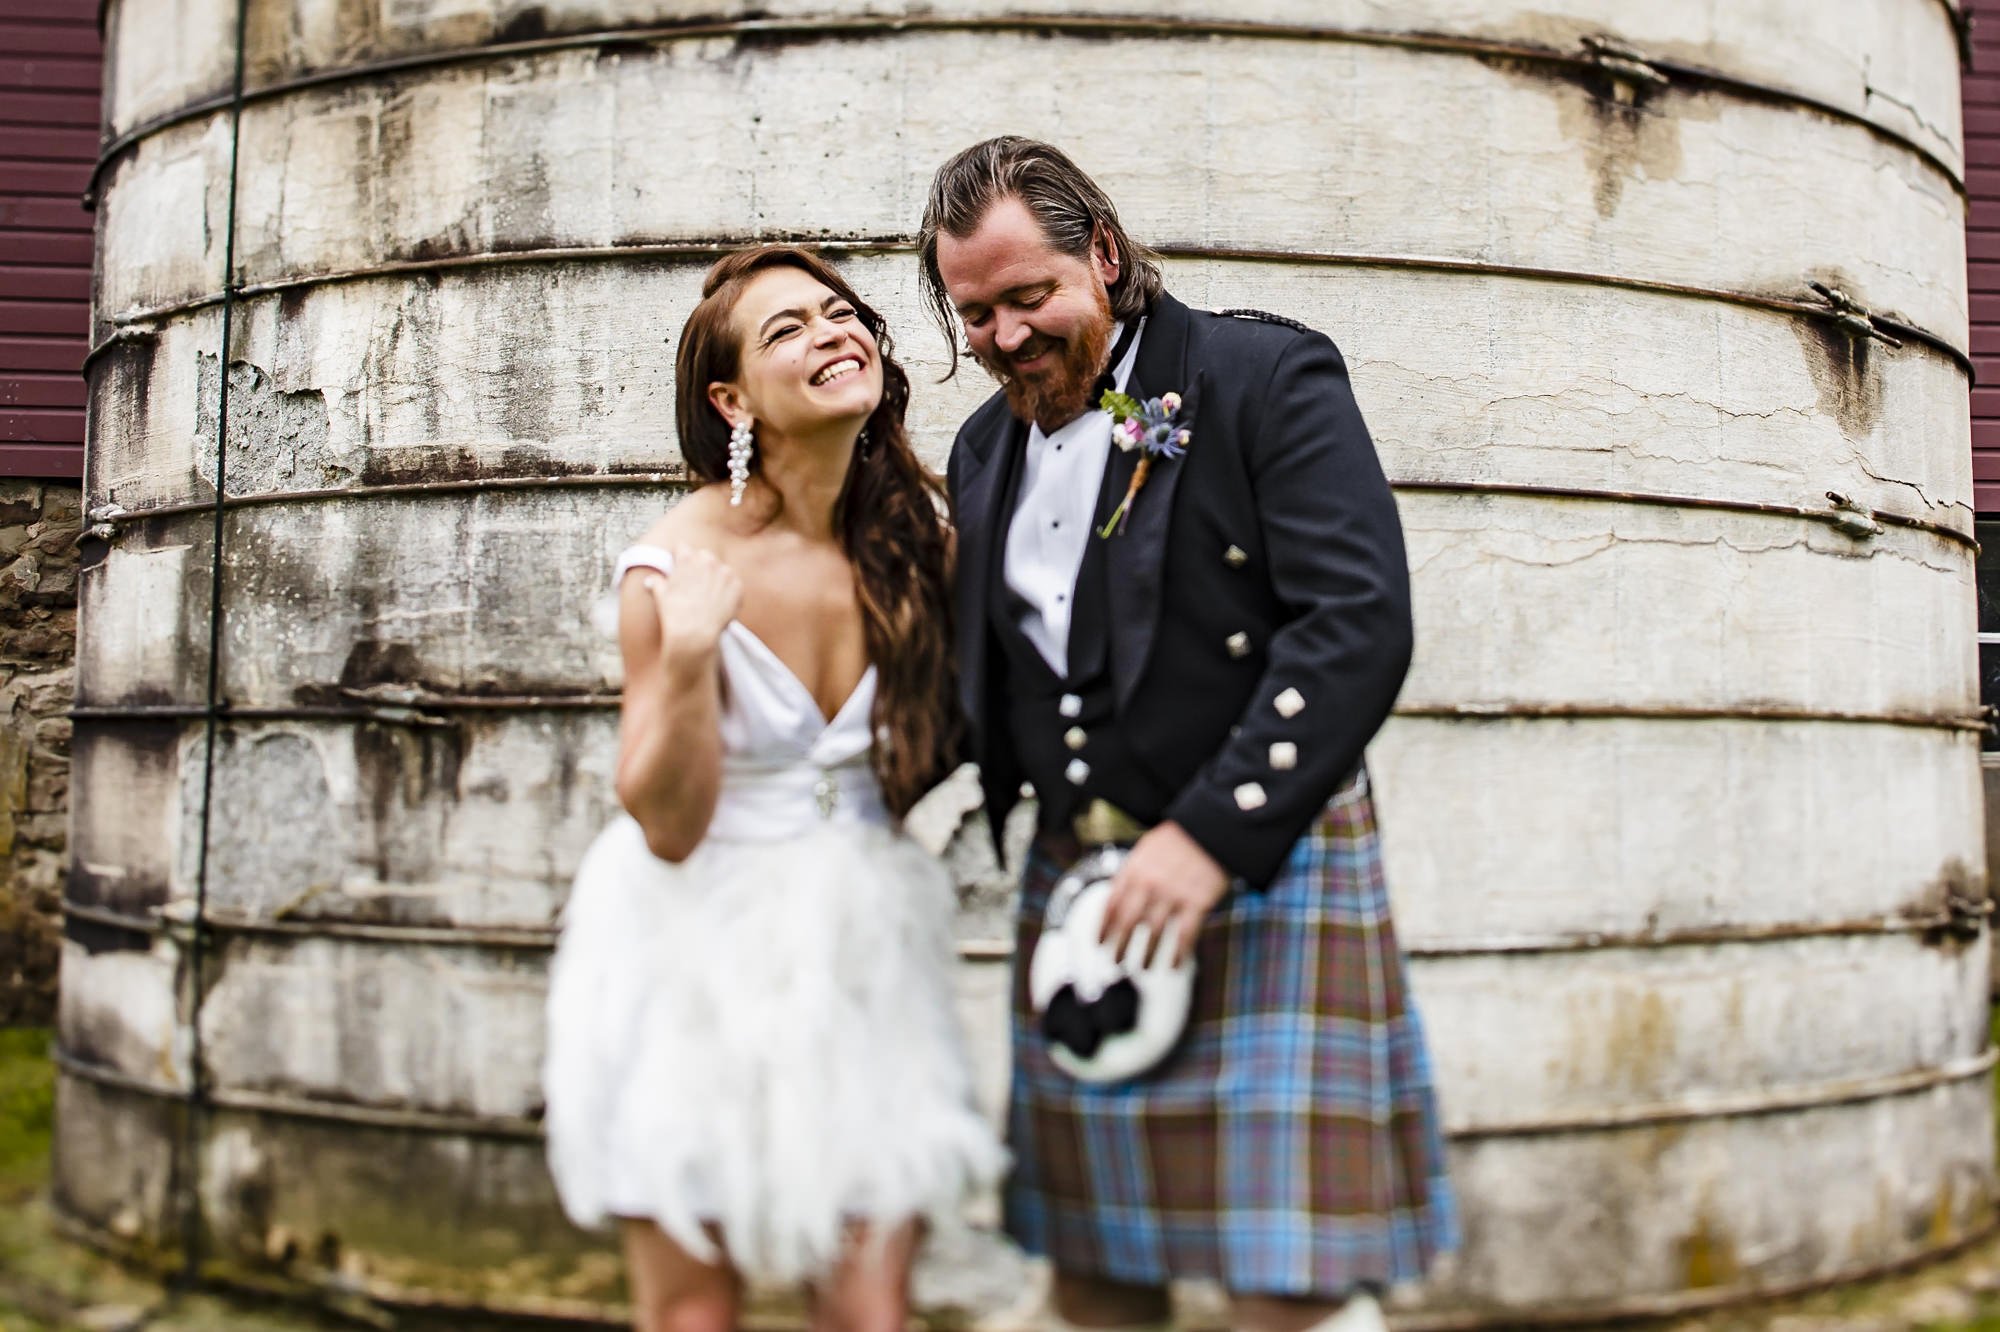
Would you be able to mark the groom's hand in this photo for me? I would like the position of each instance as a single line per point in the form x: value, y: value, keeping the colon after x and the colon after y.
x: 1166, y: 881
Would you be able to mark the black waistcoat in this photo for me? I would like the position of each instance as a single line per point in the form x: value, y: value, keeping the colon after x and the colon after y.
x: 1046, y: 740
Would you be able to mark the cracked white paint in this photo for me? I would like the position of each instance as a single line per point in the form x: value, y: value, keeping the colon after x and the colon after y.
x: 1521, y: 600
x: 1598, y: 1032
x: 1462, y: 377
x: 1511, y: 829
x: 1642, y: 1209
x: 304, y: 1018
x: 698, y: 140
x: 1874, y: 58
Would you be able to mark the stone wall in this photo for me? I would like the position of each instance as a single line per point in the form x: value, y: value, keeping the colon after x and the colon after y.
x: 38, y: 563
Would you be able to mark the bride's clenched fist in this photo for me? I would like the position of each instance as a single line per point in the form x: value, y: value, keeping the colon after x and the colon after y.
x: 695, y: 604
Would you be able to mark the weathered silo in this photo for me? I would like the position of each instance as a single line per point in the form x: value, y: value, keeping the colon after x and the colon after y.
x: 1658, y: 312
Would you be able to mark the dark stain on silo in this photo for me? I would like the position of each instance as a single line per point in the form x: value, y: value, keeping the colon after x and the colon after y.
x: 395, y: 132
x: 525, y: 26
x: 291, y: 308
x: 1624, y: 128
x: 392, y: 137
x: 372, y: 662
x: 95, y: 937
x: 1959, y: 895
x: 1844, y: 374
x: 126, y: 371
x: 1630, y: 142
x: 119, y: 382
x: 534, y: 460
x: 566, y: 768
x: 407, y: 774
x: 1846, y: 370
x: 404, y: 359
x: 419, y: 314
x: 130, y: 766
x: 526, y: 370
x: 452, y: 243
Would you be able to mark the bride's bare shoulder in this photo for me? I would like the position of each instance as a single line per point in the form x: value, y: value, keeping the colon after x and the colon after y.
x: 697, y: 520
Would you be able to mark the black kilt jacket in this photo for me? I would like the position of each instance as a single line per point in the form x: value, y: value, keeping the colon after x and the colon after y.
x: 1262, y: 569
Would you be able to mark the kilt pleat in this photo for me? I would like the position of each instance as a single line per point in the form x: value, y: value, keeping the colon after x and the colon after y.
x: 1291, y: 1143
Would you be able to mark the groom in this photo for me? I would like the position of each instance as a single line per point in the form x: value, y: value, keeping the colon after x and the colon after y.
x: 1205, y: 667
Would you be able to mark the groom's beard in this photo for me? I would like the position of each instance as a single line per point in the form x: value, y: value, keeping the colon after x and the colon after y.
x: 1058, y: 395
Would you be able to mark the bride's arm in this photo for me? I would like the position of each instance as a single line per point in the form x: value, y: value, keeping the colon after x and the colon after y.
x: 670, y: 734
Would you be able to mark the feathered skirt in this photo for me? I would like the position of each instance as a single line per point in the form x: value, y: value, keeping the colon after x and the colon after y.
x: 762, y: 1039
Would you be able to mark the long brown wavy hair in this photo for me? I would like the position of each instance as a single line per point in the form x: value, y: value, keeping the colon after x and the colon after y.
x: 888, y: 520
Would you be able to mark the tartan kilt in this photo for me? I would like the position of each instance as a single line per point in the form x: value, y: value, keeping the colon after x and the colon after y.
x: 1290, y: 1145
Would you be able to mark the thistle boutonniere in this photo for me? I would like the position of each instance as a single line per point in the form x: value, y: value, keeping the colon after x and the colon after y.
x: 1150, y: 425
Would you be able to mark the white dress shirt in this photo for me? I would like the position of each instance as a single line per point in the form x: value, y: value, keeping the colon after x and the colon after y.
x: 1060, y: 477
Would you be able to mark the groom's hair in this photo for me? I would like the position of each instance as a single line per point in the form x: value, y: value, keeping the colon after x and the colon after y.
x: 1070, y: 207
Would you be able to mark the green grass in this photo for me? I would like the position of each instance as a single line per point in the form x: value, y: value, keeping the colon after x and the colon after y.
x: 1993, y: 1038
x: 27, y: 1121
x: 27, y: 1111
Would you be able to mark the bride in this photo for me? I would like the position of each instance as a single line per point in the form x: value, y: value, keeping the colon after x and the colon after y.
x: 753, y: 1063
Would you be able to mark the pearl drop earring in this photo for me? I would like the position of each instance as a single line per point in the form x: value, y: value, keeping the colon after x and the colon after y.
x: 741, y: 442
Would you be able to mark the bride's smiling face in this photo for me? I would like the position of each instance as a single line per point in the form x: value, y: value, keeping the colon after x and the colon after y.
x: 807, y: 360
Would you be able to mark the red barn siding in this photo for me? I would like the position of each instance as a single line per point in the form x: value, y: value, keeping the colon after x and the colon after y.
x: 1982, y: 247
x: 49, y: 70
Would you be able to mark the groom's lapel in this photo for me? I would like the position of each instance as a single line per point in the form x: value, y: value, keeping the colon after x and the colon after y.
x: 1135, y: 558
x: 981, y: 519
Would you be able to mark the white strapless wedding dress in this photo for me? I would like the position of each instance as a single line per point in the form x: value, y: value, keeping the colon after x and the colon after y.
x: 763, y: 1037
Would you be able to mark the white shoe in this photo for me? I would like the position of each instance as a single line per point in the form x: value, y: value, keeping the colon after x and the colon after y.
x: 1360, y: 1314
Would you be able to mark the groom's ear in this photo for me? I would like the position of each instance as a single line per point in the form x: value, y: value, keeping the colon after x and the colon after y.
x: 1104, y: 256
